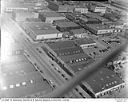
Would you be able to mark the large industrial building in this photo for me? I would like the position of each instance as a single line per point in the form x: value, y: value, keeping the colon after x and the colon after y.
x: 99, y: 28
x: 103, y: 82
x: 40, y: 31
x: 57, y: 43
x: 49, y: 17
x: 66, y: 26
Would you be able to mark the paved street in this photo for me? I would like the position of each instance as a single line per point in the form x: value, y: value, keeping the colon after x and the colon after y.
x: 17, y: 33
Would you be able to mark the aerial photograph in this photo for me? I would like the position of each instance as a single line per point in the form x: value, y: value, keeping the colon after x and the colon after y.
x: 64, y: 49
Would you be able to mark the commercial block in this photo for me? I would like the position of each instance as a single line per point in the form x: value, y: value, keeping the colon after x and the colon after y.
x: 66, y: 26
x: 103, y: 82
x: 97, y: 8
x: 85, y: 42
x: 99, y: 28
x: 77, y: 62
x: 81, y: 9
x: 69, y: 51
x: 79, y: 33
x: 49, y: 17
x: 41, y: 31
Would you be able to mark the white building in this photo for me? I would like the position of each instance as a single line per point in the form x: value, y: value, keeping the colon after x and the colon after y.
x: 41, y: 31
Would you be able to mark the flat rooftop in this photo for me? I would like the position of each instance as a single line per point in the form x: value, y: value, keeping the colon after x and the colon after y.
x: 90, y: 20
x: 61, y: 45
x: 67, y: 24
x: 98, y: 26
x: 77, y: 62
x: 33, y: 20
x: 79, y: 31
x: 71, y: 59
x: 85, y: 41
x: 41, y: 28
x: 103, y: 80
x: 94, y: 15
x: 51, y: 14
x: 68, y: 51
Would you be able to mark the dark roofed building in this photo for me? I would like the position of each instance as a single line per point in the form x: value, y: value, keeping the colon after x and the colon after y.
x: 49, y: 17
x: 118, y: 25
x: 85, y: 42
x: 77, y: 62
x: 95, y: 15
x: 55, y: 22
x: 66, y: 26
x: 79, y: 33
x: 88, y: 20
x: 61, y: 45
x: 102, y: 82
x: 99, y: 28
x: 97, y: 8
x: 76, y: 67
x: 111, y: 17
x: 69, y: 51
x: 73, y: 16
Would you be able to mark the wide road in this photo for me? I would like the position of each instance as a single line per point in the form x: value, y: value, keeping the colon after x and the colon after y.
x: 19, y: 34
